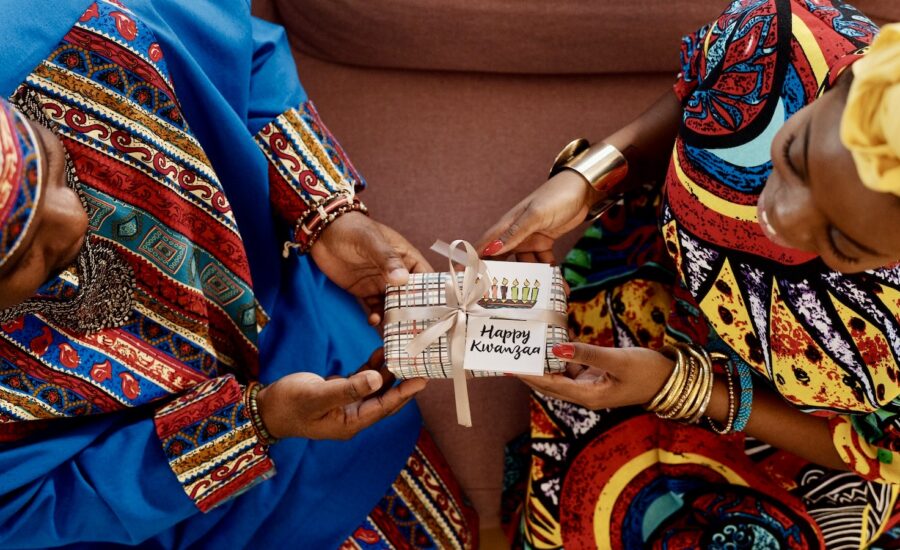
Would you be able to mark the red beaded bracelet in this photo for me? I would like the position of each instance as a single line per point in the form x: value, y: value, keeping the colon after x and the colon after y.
x: 310, y: 227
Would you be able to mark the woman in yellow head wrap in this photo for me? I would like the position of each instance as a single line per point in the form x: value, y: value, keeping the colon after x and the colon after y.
x: 841, y: 201
x: 767, y: 264
x: 871, y: 123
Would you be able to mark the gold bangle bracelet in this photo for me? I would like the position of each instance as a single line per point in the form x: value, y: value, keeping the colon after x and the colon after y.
x: 669, y: 407
x: 676, y: 371
x: 694, y: 393
x: 698, y: 407
x: 602, y: 165
x: 670, y: 397
x: 674, y: 412
x: 707, y: 398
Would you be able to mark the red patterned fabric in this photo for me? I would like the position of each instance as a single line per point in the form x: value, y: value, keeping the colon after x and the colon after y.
x: 424, y: 508
x: 20, y: 180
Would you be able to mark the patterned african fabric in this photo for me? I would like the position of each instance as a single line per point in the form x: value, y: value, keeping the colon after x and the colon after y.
x: 698, y: 268
x: 309, y: 170
x: 124, y: 434
x: 424, y: 508
x: 151, y: 196
x: 828, y: 343
x: 20, y: 180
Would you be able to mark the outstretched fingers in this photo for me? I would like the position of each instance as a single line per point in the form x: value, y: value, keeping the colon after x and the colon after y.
x: 341, y: 392
x: 371, y: 410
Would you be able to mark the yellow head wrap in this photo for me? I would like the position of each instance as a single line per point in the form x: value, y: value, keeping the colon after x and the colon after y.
x: 870, y: 127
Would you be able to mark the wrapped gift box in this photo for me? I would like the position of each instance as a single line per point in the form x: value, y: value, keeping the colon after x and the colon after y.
x: 429, y: 289
x: 504, y: 316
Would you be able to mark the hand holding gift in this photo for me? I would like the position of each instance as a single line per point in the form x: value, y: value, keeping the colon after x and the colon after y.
x: 361, y: 256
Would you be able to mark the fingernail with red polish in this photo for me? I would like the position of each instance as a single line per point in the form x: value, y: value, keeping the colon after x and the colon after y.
x: 564, y: 351
x: 492, y: 248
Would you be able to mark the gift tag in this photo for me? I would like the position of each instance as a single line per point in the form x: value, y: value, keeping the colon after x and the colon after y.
x: 506, y: 345
x: 501, y: 345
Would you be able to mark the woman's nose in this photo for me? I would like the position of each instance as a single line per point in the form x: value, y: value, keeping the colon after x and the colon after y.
x: 798, y: 218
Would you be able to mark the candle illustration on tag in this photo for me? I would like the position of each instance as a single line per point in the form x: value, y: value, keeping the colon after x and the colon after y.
x: 520, y: 293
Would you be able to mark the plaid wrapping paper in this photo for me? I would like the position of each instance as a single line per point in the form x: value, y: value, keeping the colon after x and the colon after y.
x: 429, y: 289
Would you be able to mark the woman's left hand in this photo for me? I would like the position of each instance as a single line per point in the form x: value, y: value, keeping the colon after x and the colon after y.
x: 604, y: 378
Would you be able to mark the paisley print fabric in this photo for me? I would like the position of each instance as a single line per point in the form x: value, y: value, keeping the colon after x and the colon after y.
x: 699, y: 269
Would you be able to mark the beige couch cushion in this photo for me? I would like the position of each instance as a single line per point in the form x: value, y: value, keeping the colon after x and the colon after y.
x: 510, y: 36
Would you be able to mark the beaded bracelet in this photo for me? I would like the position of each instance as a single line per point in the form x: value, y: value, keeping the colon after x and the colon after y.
x: 743, y: 381
x: 745, y: 384
x: 729, y: 422
x: 252, y: 405
x: 688, y: 391
x: 311, y: 226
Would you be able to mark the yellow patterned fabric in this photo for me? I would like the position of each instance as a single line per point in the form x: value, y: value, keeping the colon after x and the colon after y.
x: 870, y: 127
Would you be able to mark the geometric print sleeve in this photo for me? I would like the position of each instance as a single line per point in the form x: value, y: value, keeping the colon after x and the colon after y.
x: 311, y: 179
x: 211, y: 444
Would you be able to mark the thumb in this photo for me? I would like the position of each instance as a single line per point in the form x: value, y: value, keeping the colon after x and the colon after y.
x: 611, y: 360
x: 344, y: 391
x: 386, y: 258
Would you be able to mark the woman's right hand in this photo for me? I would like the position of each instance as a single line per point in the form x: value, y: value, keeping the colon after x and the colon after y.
x: 307, y: 405
x: 530, y: 228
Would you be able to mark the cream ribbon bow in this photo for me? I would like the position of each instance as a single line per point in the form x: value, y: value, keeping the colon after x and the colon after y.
x: 462, y: 302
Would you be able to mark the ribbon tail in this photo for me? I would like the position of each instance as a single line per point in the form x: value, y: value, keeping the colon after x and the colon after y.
x: 460, y: 388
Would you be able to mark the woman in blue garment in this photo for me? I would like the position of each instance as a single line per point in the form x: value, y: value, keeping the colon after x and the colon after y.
x: 147, y: 293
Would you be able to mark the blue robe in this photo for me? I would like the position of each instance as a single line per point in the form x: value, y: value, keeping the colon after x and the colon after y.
x: 106, y: 479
